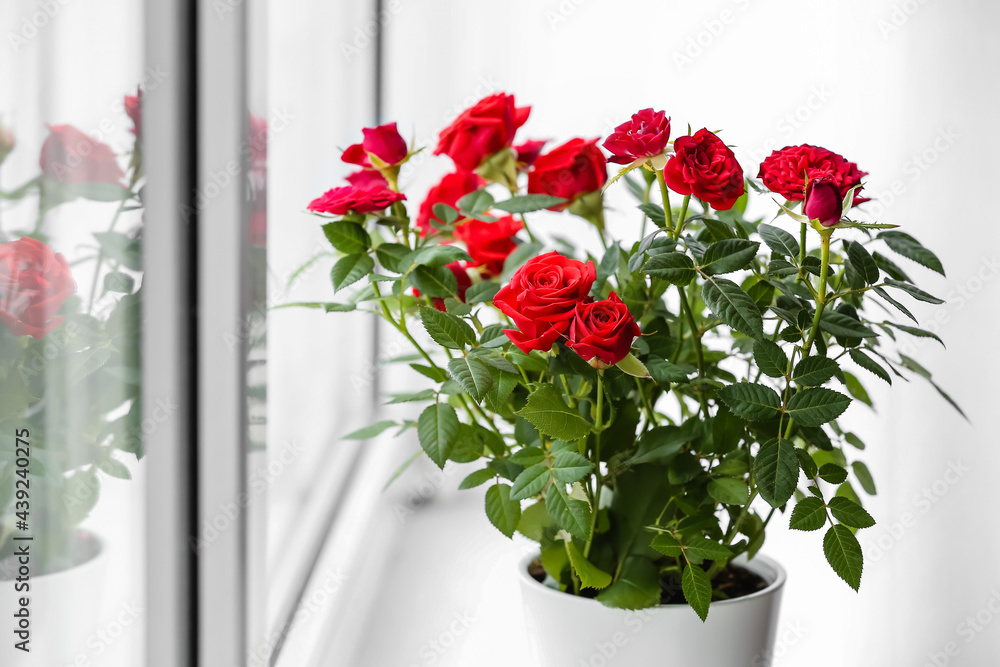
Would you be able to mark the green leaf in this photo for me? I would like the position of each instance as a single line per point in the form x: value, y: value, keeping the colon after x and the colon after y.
x: 809, y: 514
x: 444, y: 213
x: 500, y: 391
x: 530, y: 482
x: 570, y: 467
x: 446, y: 329
x: 637, y: 587
x: 115, y: 468
x: 437, y: 430
x: 832, y: 473
x: 534, y: 520
x: 569, y: 514
x: 370, y: 431
x: 391, y: 256
x: 655, y: 213
x: 349, y: 269
x: 474, y: 377
x: 660, y: 445
x: 850, y: 513
x: 122, y: 248
x: 869, y: 364
x: 776, y: 471
x: 477, y: 478
x: 864, y: 477
x: 729, y: 491
x: 697, y: 590
x: 424, y: 395
x: 674, y: 267
x: 700, y: 548
x: 528, y: 203
x: 481, y: 293
x: 548, y: 412
x: 913, y: 291
x: 771, y: 360
x: 528, y: 456
x: 779, y: 241
x: 436, y: 282
x: 479, y: 201
x: 664, y: 372
x: 844, y: 554
x: 907, y: 246
x: 80, y: 494
x: 590, y: 575
x: 348, y: 237
x: 503, y: 512
x: 752, y: 402
x: 862, y: 262
x: 667, y: 545
x: 915, y: 331
x: 814, y: 371
x: 728, y: 255
x: 733, y: 306
x: 116, y: 281
x: 900, y: 307
x: 632, y: 366
x: 817, y: 406
x: 843, y: 325
x: 436, y: 255
x: 889, y: 267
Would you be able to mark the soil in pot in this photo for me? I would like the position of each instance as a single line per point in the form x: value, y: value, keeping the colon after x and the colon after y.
x: 733, y: 582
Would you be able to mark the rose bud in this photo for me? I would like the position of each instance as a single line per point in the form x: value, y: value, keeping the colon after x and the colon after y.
x: 34, y: 282
x: 340, y: 201
x: 481, y: 131
x: 528, y: 152
x: 133, y: 109
x: 703, y: 166
x: 73, y: 157
x: 824, y: 201
x: 541, y: 299
x: 382, y: 147
x: 785, y: 171
x: 602, y: 332
x: 645, y: 135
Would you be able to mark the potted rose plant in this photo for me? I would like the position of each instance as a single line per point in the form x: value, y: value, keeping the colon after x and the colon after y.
x: 644, y: 414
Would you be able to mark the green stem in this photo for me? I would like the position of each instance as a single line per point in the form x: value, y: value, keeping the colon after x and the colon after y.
x: 598, y: 424
x: 645, y: 200
x: 680, y: 221
x: 100, y: 258
x: 696, y: 339
x: 665, y: 194
x: 821, y: 292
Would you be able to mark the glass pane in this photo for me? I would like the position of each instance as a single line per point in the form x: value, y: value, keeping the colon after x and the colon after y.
x: 71, y: 428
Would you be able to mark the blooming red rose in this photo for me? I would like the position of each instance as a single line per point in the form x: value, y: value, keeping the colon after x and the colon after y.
x: 482, y: 130
x: 383, y: 142
x: 133, y: 109
x: 824, y: 201
x: 603, y: 331
x: 34, y: 282
x: 367, y: 178
x: 448, y: 191
x: 73, y: 157
x: 645, y: 135
x: 489, y: 243
x: 569, y: 171
x: 541, y: 299
x: 703, y: 166
x: 360, y: 200
x: 785, y: 171
x: 461, y: 272
x: 528, y: 152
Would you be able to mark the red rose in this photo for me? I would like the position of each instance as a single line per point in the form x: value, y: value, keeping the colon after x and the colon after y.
x: 133, y: 109
x: 704, y: 166
x: 383, y: 143
x: 528, y: 152
x: 785, y: 171
x: 71, y: 156
x: 367, y: 178
x: 452, y: 187
x: 34, y: 282
x: 569, y: 171
x: 482, y: 130
x: 645, y: 135
x: 360, y: 200
x: 542, y: 297
x: 824, y: 201
x: 461, y: 273
x: 602, y: 330
x: 489, y: 243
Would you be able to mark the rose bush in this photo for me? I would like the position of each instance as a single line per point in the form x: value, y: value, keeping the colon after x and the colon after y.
x: 73, y: 157
x: 34, y: 282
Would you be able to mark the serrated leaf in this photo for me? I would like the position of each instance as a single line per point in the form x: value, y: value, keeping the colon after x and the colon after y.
x: 474, y: 377
x: 844, y: 555
x: 673, y: 267
x: 548, y: 412
x: 481, y: 293
x: 437, y: 430
x: 500, y: 391
x: 570, y: 514
x: 700, y: 548
x: 665, y: 372
x: 446, y: 329
x: 528, y: 203
x: 850, y: 513
x: 666, y: 544
x: 770, y: 358
x: 862, y: 262
x: 808, y: 514
x: 817, y: 406
x: 569, y: 467
x: 864, y: 477
x: 116, y: 281
x: 370, y: 431
x: 590, y: 575
x: 916, y: 331
x: 348, y: 237
x: 637, y: 587
x: 435, y: 256
x: 889, y: 267
x: 530, y: 482
x: 832, y: 473
x: 843, y: 325
x: 729, y: 491
x: 479, y: 201
x: 115, y: 468
x: 697, y: 589
x: 814, y: 371
x: 779, y: 241
x: 477, y: 478
x: 900, y: 307
x: 728, y: 255
x: 869, y: 364
x: 654, y: 212
x: 503, y: 512
x: 907, y: 246
x: 914, y: 291
x: 776, y: 471
x: 349, y: 269
x: 528, y: 456
x: 521, y: 254
x: 444, y: 213
x: 752, y: 402
x: 733, y: 306
x: 391, y: 256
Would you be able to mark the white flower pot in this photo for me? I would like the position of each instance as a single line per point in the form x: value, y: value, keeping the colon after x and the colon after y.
x: 64, y: 613
x: 569, y: 631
